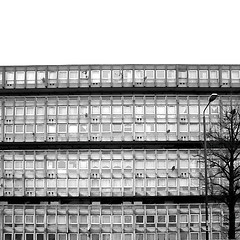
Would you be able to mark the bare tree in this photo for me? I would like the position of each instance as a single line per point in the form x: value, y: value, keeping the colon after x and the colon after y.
x: 224, y: 163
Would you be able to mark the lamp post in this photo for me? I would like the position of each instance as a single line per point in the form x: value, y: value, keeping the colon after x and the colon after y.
x: 211, y: 99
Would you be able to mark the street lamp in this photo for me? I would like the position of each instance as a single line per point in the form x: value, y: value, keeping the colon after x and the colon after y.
x: 211, y: 99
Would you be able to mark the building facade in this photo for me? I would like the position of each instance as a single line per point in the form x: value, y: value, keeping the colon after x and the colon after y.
x: 105, y: 152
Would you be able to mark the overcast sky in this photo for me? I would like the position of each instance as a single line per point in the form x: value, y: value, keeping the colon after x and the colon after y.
x: 34, y: 32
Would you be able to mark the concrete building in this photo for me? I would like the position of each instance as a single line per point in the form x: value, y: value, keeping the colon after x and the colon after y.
x: 108, y: 152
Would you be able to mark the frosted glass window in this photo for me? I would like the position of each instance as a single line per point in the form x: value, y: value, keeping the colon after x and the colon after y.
x: 105, y: 164
x: 213, y: 74
x: 139, y: 127
x: 29, y: 183
x: 171, y: 109
x: 117, y: 74
x: 39, y: 183
x: 39, y: 164
x: 40, y: 219
x: 139, y: 110
x: 128, y: 182
x: 40, y: 75
x: 95, y: 164
x: 18, y: 219
x: 8, y: 165
x: 106, y: 219
x: 62, y: 219
x: 19, y: 128
x: 116, y: 127
x: 171, y: 74
x: 194, y: 127
x: 30, y: 110
x: 9, y: 129
x: 203, y: 74
x: 183, y: 109
x: 172, y: 182
x: 139, y: 164
x: 225, y: 74
x: 19, y: 111
x: 84, y: 164
x: 106, y: 74
x: 235, y: 74
x: 73, y: 128
x: 62, y: 74
x: 73, y: 74
x: 52, y: 75
x: 117, y: 109
x: 127, y: 127
x: 72, y: 183
x: 51, y: 219
x: 72, y: 164
x: 9, y: 111
x: 51, y: 128
x: 52, y: 110
x: 61, y: 183
x: 127, y: 109
x: 30, y: 75
x: 106, y: 109
x: 193, y: 109
x: 51, y: 164
x: 95, y: 74
x: 192, y: 74
x: 116, y: 183
x: 62, y: 110
x: 61, y: 164
x: 40, y: 111
x: 18, y: 164
x: 172, y: 127
x: 29, y: 219
x: 83, y: 110
x: 162, y: 182
x: 139, y: 182
x: 116, y: 164
x: 149, y: 74
x: 139, y: 74
x: 7, y: 219
x: 9, y: 75
x: 95, y: 219
x: 127, y: 74
x: 51, y: 183
x: 128, y: 219
x: 161, y: 127
x: 150, y: 164
x: 95, y: 110
x: 160, y: 74
x: 150, y: 182
x: 150, y: 127
x: 20, y: 75
x: 106, y: 127
x: 73, y: 219
x: 150, y: 109
x: 73, y: 110
x: 29, y: 128
x: 183, y: 182
x: 117, y: 219
x: 62, y: 128
x: 83, y: 127
x: 95, y: 127
x: 39, y: 128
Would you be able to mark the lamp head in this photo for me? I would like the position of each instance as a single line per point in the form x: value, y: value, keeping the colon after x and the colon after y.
x: 212, y: 97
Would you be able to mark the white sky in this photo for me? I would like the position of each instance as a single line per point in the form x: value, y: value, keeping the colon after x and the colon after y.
x: 119, y: 31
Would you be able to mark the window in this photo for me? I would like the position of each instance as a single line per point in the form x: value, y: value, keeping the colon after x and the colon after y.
x: 9, y: 128
x: 192, y: 74
x: 62, y: 74
x: 95, y: 74
x: 203, y: 74
x: 116, y: 127
x: 30, y: 110
x: 117, y: 109
x: 73, y: 74
x: 62, y: 128
x: 40, y: 219
x: 73, y: 236
x: 106, y: 219
x: 172, y: 218
x: 150, y: 127
x: 139, y: 110
x: 117, y: 219
x: 225, y: 74
x: 128, y: 219
x: 39, y: 128
x: 95, y: 219
x: 139, y: 219
x: 51, y: 236
x: 19, y: 128
x: 40, y: 110
x: 51, y: 128
x: 18, y: 164
x: 73, y: 219
x: 95, y: 110
x: 160, y: 74
x: 52, y: 74
x: 127, y: 74
x: 9, y: 111
x: 18, y: 236
x: 19, y: 111
x: 139, y: 74
x: 213, y: 74
x: 106, y: 109
x: 171, y: 74
x: 8, y: 164
x: 9, y: 75
x: 194, y: 218
x: 41, y: 75
x: 51, y: 110
x: 149, y: 74
x: 73, y: 128
x: 40, y: 236
x: 106, y: 74
x: 73, y: 110
x: 29, y: 219
x: 51, y: 219
x: 106, y: 127
x: 235, y: 74
x: 30, y: 75
x: 20, y: 75
x: 29, y: 183
x: 7, y: 219
x: 18, y: 219
x: 62, y: 110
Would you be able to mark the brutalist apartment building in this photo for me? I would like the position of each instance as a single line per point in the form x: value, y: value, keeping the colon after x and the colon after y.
x: 108, y: 152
